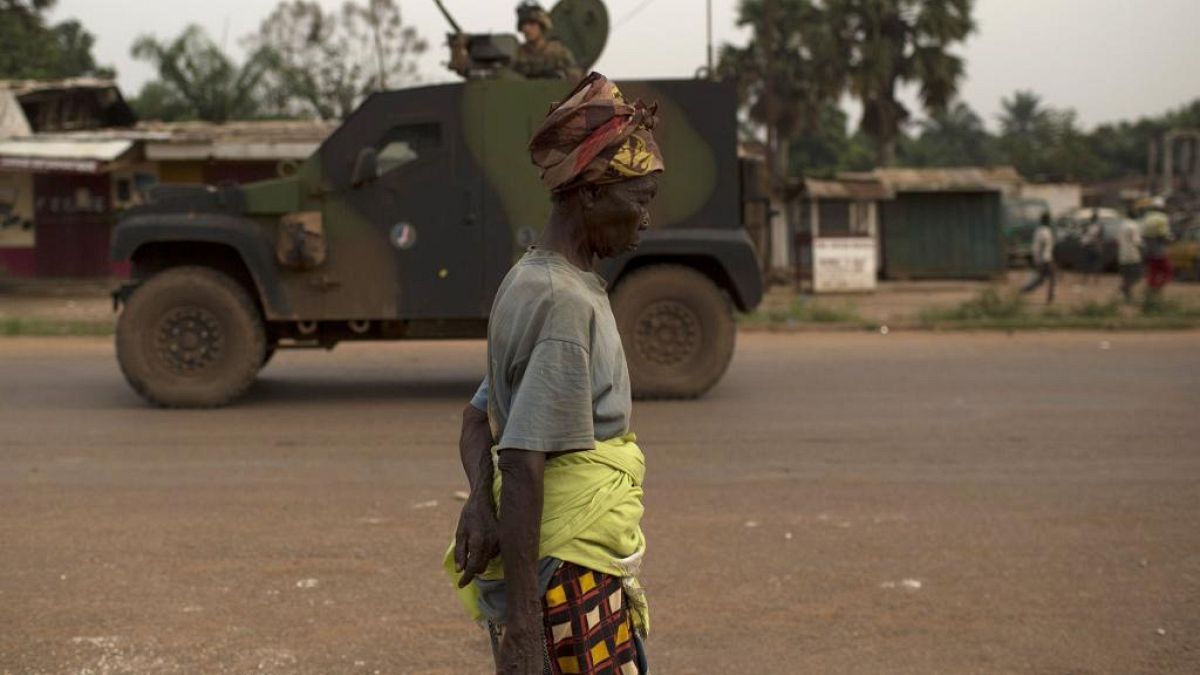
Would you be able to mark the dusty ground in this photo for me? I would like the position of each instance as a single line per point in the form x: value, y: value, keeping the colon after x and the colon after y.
x: 900, y: 303
x: 840, y: 503
x: 895, y: 303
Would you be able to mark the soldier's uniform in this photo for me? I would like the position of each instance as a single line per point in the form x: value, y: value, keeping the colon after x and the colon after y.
x: 550, y: 59
x: 547, y: 58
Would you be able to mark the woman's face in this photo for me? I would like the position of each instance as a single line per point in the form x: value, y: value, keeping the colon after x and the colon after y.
x: 617, y: 213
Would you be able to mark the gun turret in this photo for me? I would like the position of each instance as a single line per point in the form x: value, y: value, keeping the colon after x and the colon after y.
x: 580, y: 25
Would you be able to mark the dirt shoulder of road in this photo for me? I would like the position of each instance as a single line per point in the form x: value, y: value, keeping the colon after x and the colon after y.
x: 39, y: 308
x: 1093, y: 304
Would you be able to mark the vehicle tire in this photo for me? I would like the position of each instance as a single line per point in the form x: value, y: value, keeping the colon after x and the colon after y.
x: 677, y: 328
x: 190, y: 337
x: 268, y: 352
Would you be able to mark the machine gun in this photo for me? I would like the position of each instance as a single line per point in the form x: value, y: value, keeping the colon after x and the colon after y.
x: 581, y: 25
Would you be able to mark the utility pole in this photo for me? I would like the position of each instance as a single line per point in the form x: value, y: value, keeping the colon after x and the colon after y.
x: 710, y: 42
x: 775, y: 181
x: 769, y: 104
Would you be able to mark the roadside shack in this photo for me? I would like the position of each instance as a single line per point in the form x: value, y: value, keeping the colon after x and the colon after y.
x: 944, y: 223
x: 835, y: 223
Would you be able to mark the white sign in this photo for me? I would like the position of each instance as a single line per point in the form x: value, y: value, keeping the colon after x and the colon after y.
x: 843, y: 264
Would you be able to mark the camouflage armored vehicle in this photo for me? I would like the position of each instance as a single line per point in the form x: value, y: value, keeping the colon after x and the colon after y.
x: 402, y: 224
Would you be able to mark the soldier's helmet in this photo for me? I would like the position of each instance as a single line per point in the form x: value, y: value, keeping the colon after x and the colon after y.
x: 532, y: 12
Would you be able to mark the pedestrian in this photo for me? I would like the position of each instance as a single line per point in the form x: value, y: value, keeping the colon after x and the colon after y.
x: 546, y: 441
x: 1156, y: 235
x: 1092, y: 242
x: 1043, y: 259
x: 1129, y: 256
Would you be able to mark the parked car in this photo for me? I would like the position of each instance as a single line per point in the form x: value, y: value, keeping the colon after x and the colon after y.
x: 1068, y: 248
x: 1184, y: 254
x: 1021, y: 218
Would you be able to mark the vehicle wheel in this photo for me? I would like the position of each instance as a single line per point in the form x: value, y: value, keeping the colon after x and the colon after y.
x: 677, y: 329
x: 268, y: 352
x: 190, y: 337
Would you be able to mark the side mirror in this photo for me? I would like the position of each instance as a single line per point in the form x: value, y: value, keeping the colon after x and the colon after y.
x: 366, y: 167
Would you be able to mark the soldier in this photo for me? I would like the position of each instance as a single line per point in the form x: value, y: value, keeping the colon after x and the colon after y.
x: 539, y: 57
x: 552, y: 416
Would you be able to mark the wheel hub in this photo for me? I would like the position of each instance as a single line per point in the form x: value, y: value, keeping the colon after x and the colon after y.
x: 667, y: 333
x: 188, y: 340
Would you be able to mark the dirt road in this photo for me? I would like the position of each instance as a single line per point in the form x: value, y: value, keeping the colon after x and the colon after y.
x: 841, y: 503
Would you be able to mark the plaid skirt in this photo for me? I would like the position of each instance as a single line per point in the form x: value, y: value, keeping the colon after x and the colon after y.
x: 589, y: 630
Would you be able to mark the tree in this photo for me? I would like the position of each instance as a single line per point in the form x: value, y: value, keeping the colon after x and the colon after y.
x: 158, y: 100
x: 197, y: 80
x: 1044, y: 143
x: 888, y: 43
x: 953, y: 137
x: 785, y: 76
x: 324, y: 64
x: 1022, y: 114
x: 35, y: 50
x: 828, y: 149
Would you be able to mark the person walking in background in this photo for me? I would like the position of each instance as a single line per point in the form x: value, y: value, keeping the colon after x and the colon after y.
x: 1043, y: 259
x: 1129, y: 256
x: 1092, y: 242
x: 1156, y: 234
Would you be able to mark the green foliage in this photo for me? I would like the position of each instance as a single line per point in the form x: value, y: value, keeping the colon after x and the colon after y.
x: 786, y: 77
x: 815, y: 312
x: 1045, y: 144
x: 803, y: 55
x: 33, y: 49
x: 989, y: 304
x: 158, y: 100
x: 887, y: 43
x: 1098, y: 310
x: 19, y: 326
x: 954, y: 137
x: 829, y: 149
x: 324, y: 64
x: 198, y: 80
x: 804, y: 310
x: 993, y: 310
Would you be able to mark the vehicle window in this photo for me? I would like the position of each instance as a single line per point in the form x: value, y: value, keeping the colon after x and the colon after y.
x: 408, y: 143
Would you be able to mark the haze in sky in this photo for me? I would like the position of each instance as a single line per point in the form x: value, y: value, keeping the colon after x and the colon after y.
x: 1107, y: 59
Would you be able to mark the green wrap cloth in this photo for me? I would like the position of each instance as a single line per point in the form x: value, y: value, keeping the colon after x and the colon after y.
x: 591, y: 516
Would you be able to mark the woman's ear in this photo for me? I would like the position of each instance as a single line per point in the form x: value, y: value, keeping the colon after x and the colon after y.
x: 588, y: 195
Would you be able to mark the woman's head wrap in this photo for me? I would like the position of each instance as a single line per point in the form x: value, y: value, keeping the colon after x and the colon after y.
x: 595, y: 136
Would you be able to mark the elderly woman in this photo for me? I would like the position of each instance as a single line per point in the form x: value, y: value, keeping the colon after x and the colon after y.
x: 553, y: 413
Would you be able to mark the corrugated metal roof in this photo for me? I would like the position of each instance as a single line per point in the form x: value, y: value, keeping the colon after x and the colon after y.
x: 254, y: 140
x: 258, y: 131
x: 854, y: 189
x: 949, y: 179
x: 40, y: 154
x: 22, y: 87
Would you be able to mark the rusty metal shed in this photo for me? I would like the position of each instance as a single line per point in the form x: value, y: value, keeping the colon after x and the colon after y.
x: 944, y: 223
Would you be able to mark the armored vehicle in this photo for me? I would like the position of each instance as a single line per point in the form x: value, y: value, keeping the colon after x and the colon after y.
x: 402, y: 224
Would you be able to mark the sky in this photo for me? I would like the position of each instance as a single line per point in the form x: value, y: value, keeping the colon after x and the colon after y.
x: 1107, y: 59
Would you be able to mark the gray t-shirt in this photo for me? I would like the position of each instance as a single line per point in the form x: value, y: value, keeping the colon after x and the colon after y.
x: 556, y: 377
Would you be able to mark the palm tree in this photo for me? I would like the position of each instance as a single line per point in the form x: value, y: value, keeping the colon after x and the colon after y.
x: 887, y: 43
x: 1022, y: 114
x: 201, y: 76
x: 953, y: 137
x: 785, y: 76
